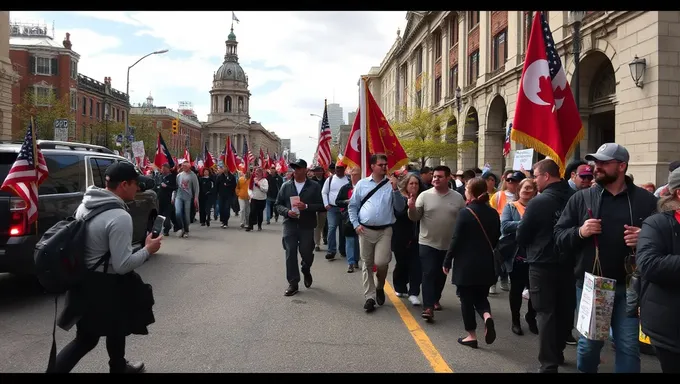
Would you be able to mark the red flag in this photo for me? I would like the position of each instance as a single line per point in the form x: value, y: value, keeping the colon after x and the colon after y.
x: 546, y: 116
x: 323, y: 149
x: 267, y: 160
x: 163, y: 154
x: 187, y: 156
x: 27, y: 173
x: 379, y: 137
x: 208, y: 161
x: 230, y: 157
x: 261, y: 159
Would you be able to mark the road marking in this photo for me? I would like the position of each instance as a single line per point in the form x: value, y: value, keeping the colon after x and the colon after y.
x: 431, y: 353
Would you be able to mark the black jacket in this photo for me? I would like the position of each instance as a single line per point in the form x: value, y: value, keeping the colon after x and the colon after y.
x: 642, y: 204
x: 342, y: 202
x: 226, y: 185
x: 535, y: 230
x: 206, y: 186
x: 321, y: 182
x: 275, y: 182
x: 658, y: 260
x: 473, y: 259
x: 310, y: 195
x: 165, y: 193
x: 404, y: 230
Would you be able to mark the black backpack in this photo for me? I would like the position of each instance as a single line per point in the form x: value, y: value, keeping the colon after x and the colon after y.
x: 60, y: 254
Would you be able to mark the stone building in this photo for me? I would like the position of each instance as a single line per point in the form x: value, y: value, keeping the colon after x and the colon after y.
x: 482, y: 53
x: 7, y: 78
x: 229, y: 110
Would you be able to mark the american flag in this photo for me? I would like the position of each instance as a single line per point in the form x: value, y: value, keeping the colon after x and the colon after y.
x: 247, y: 153
x: 323, y: 150
x: 506, y: 144
x: 26, y: 174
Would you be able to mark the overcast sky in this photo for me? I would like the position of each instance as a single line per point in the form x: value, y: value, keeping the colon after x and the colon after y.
x: 293, y: 59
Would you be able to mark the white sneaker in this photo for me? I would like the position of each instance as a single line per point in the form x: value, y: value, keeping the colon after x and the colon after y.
x: 525, y: 294
x: 414, y: 300
x: 493, y: 290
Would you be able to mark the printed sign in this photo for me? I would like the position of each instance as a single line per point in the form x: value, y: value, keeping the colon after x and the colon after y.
x: 61, y: 130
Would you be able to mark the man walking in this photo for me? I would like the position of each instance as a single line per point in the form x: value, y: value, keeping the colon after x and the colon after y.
x: 608, y: 217
x: 437, y: 209
x: 319, y: 177
x: 168, y: 184
x: 329, y: 193
x: 184, y: 196
x: 550, y: 277
x: 371, y: 211
x: 112, y: 300
x: 226, y: 190
x: 298, y: 202
x: 275, y: 181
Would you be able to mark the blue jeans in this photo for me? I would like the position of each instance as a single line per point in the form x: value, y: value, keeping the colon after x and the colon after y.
x: 182, y: 212
x: 624, y: 330
x: 216, y: 208
x: 352, y: 249
x: 334, y: 220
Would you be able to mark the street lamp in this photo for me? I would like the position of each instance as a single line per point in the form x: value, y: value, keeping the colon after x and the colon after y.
x: 577, y: 17
x: 457, y: 95
x: 127, y: 87
x: 637, y: 70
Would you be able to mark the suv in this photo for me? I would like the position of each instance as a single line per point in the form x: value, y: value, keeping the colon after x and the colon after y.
x: 72, y: 168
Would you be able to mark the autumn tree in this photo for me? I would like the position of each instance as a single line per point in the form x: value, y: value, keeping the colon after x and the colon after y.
x: 45, y: 109
x: 423, y: 133
x: 146, y: 130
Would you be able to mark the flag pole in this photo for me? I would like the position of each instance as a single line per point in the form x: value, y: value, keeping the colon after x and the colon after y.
x: 362, y: 124
x: 35, y: 160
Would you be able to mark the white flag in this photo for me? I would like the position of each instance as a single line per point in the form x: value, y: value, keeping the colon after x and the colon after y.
x: 234, y: 18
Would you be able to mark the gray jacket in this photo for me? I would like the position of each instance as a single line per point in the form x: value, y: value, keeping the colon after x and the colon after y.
x: 110, y: 231
x: 187, y: 186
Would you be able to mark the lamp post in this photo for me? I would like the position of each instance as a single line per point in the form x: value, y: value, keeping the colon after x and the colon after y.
x: 637, y: 70
x: 457, y: 95
x: 127, y: 88
x: 577, y: 17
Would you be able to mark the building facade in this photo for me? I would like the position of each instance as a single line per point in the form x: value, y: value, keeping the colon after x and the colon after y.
x: 98, y: 107
x: 229, y: 112
x: 336, y: 118
x: 482, y: 54
x: 7, y: 78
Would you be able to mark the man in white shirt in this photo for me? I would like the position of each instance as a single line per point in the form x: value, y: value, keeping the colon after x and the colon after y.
x: 329, y: 193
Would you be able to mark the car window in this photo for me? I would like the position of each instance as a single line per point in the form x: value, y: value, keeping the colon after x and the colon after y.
x: 6, y: 161
x: 65, y: 174
x: 99, y: 166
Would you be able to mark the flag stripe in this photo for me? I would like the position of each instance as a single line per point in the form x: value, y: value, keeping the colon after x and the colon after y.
x: 323, y: 151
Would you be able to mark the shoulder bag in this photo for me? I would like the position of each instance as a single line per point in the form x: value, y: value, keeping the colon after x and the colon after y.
x: 345, y: 214
x: 497, y: 257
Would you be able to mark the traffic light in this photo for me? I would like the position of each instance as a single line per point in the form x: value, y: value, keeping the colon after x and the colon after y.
x: 175, y: 126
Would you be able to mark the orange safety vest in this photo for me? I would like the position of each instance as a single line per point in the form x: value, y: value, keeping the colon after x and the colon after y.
x: 520, y: 208
x: 501, y: 202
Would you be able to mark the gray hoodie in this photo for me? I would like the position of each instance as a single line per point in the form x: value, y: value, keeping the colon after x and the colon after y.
x: 109, y: 231
x: 187, y: 186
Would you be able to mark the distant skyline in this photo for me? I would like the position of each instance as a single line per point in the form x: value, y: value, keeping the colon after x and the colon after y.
x: 297, y: 61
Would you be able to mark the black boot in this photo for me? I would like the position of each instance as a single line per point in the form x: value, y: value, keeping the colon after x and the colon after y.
x: 128, y: 367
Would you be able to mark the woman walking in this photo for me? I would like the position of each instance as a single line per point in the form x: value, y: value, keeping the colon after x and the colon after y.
x: 342, y: 201
x: 515, y: 258
x: 243, y: 198
x: 205, y: 197
x: 407, y: 275
x: 258, y: 201
x: 471, y: 251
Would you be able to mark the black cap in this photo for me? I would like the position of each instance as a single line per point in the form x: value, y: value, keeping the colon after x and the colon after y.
x: 318, y: 168
x: 125, y: 171
x: 298, y: 164
x: 516, y: 176
x: 673, y: 166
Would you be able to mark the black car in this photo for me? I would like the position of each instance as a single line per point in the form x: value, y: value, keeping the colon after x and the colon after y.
x: 72, y: 168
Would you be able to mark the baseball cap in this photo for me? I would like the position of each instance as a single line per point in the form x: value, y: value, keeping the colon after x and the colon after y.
x: 674, y: 180
x: 586, y: 171
x: 516, y: 176
x: 125, y: 171
x: 609, y: 151
x: 673, y: 166
x: 298, y: 164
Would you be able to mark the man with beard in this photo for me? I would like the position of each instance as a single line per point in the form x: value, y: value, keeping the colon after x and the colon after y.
x: 610, y: 215
x: 550, y: 279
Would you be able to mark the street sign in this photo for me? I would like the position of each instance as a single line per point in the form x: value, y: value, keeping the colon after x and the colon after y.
x: 61, y: 130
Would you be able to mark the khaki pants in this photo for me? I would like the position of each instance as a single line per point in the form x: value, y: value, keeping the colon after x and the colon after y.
x: 245, y: 211
x: 318, y: 231
x: 375, y: 247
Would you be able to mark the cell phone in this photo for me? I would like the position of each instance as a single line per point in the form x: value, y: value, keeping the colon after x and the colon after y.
x: 157, y: 226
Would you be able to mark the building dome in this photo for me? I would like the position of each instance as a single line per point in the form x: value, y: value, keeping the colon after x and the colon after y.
x: 230, y: 70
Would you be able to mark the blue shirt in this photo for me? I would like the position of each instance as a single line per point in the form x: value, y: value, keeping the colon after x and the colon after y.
x: 379, y: 209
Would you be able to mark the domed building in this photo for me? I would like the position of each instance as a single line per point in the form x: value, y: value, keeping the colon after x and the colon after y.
x: 230, y: 110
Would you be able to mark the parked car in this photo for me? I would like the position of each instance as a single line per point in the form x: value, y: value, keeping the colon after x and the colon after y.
x: 72, y: 168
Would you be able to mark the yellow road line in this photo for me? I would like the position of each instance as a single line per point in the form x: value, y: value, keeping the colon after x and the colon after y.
x: 431, y: 353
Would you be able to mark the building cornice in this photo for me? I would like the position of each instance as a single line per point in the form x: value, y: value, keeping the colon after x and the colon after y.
x: 164, y: 112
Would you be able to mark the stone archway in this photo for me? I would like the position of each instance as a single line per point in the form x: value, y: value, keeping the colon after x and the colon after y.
x: 470, y: 157
x: 451, y: 137
x: 494, y: 135
x: 597, y: 99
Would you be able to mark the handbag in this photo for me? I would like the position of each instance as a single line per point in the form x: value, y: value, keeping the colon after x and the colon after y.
x: 497, y: 257
x: 345, y: 214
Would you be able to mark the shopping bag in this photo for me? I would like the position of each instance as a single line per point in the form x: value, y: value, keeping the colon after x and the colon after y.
x: 597, y: 305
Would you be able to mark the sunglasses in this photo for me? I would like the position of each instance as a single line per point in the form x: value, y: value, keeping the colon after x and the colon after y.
x: 586, y: 177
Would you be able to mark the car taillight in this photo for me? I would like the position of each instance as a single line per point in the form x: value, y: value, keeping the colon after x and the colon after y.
x: 18, y: 210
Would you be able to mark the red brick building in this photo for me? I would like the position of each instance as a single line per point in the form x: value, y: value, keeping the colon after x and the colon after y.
x: 47, y: 67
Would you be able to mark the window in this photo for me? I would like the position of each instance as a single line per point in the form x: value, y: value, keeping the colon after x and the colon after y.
x: 419, y: 99
x: 106, y: 111
x: 526, y: 28
x: 99, y: 166
x: 122, y: 116
x: 227, y: 104
x: 117, y: 114
x: 74, y: 69
x: 97, y: 112
x: 437, y: 45
x: 437, y: 90
x: 74, y: 100
x: 473, y: 69
x: 43, y: 65
x: 419, y: 60
x: 453, y: 79
x: 91, y: 103
x: 453, y: 30
x: 43, y: 96
x: 84, y: 105
x: 500, y: 50
x: 473, y: 18
x: 66, y: 175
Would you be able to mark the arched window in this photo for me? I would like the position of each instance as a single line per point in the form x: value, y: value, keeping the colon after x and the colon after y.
x: 227, y: 104
x: 240, y: 104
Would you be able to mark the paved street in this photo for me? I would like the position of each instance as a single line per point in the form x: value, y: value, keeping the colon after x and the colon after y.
x: 220, y: 308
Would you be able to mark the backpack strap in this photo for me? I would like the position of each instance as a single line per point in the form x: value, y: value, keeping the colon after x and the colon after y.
x: 101, y: 209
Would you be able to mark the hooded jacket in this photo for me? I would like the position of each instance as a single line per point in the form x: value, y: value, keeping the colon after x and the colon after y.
x: 110, y: 231
x: 535, y: 230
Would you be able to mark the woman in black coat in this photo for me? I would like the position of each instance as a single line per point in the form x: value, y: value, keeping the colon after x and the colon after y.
x: 477, y: 231
x: 658, y: 261
x: 407, y: 275
x: 205, y: 196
